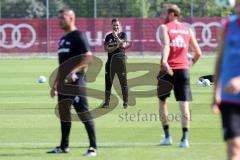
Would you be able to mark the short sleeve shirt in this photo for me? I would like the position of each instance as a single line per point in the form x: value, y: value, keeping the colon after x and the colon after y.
x: 110, y: 40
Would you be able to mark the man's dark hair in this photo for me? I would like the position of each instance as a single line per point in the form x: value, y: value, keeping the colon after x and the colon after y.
x: 115, y: 20
x: 65, y: 10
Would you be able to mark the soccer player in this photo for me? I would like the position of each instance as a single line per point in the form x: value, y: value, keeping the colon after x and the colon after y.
x: 176, y: 38
x: 71, y: 45
x: 227, y: 82
x: 116, y: 44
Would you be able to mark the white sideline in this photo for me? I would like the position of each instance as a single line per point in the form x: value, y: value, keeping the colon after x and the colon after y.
x: 101, y: 55
x: 112, y: 144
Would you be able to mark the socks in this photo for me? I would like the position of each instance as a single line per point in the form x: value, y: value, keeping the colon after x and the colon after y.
x: 167, y: 134
x: 184, y: 133
x: 166, y: 131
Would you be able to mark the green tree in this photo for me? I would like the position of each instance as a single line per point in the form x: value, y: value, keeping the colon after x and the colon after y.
x: 109, y: 8
x: 155, y: 7
x: 55, y: 6
x: 208, y: 8
x: 121, y: 8
x: 23, y: 8
x: 82, y: 8
x: 200, y: 8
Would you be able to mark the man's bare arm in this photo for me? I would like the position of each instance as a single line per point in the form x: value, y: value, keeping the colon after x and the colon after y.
x: 195, y: 47
x: 165, y: 50
x: 87, y: 58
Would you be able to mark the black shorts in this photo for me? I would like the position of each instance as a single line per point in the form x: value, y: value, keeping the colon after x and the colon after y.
x: 180, y: 82
x: 230, y: 120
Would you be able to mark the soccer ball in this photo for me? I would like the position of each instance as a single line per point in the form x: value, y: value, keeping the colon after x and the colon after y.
x: 225, y: 3
x: 199, y: 83
x: 42, y: 79
x: 206, y: 82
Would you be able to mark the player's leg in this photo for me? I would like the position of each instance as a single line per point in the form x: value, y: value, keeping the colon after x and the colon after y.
x: 81, y: 106
x: 163, y: 93
x: 185, y: 112
x: 122, y: 76
x: 109, y: 76
x: 163, y: 113
x: 233, y: 147
x: 182, y: 91
x: 64, y: 104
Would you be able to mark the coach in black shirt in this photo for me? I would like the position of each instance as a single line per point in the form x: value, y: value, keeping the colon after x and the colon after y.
x: 73, y: 44
x: 116, y: 44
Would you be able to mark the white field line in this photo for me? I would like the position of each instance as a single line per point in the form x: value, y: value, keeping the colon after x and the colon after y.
x: 137, y: 54
x: 111, y: 144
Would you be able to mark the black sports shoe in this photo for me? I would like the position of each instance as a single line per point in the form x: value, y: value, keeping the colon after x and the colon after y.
x: 125, y: 105
x: 59, y: 150
x: 91, y: 152
x: 105, y: 105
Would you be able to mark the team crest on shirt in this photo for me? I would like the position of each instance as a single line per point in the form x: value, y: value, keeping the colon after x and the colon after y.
x: 178, y: 42
x: 77, y: 99
x: 61, y: 42
x: 62, y: 48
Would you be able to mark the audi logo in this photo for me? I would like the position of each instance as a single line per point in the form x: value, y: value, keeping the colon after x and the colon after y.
x: 16, y: 36
x: 206, y: 35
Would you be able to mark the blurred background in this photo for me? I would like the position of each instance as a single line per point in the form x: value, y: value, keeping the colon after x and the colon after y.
x: 31, y: 26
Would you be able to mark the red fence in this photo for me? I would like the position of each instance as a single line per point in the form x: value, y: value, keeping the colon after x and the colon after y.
x: 42, y: 36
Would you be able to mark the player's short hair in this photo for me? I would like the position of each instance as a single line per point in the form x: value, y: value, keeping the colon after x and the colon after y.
x: 114, y: 20
x: 173, y: 8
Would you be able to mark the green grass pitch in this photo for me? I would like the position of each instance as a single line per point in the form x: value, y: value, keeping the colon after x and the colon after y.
x: 29, y: 127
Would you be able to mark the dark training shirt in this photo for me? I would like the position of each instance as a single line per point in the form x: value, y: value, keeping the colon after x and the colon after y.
x: 110, y: 40
x: 72, y: 44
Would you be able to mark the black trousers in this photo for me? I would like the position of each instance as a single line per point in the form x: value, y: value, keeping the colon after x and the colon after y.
x: 180, y: 81
x: 116, y: 65
x: 230, y: 114
x: 80, y: 105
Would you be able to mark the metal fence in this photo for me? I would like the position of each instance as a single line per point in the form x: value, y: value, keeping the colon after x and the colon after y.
x: 106, y: 8
x: 30, y: 26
